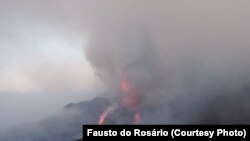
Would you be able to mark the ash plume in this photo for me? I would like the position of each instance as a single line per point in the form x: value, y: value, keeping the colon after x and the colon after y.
x: 191, y: 71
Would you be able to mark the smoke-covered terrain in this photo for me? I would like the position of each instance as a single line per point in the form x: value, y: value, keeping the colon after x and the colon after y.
x: 65, y: 126
x: 188, y: 63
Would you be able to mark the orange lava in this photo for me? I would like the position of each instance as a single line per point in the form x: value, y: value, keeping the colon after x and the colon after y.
x: 130, y: 97
x: 104, y: 115
x: 137, y: 118
x: 127, y: 87
x: 129, y: 100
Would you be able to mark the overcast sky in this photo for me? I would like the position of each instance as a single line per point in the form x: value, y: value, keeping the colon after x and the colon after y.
x: 42, y: 61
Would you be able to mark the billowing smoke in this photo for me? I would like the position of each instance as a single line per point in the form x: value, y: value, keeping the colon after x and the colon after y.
x: 190, y: 65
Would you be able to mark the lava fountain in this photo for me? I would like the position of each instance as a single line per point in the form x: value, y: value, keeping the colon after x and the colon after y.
x: 130, y: 100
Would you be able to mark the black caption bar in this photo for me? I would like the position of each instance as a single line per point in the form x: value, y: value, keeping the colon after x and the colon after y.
x: 167, y: 132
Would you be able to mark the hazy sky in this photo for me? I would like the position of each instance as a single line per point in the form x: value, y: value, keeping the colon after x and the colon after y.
x: 42, y: 62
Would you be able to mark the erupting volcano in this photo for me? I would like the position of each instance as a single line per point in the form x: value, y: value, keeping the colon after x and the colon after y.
x: 129, y: 102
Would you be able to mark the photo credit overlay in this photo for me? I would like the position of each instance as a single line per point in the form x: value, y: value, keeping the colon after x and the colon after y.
x: 167, y: 132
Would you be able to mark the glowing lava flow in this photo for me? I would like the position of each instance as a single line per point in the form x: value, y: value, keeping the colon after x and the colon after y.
x: 105, y: 114
x: 137, y: 118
